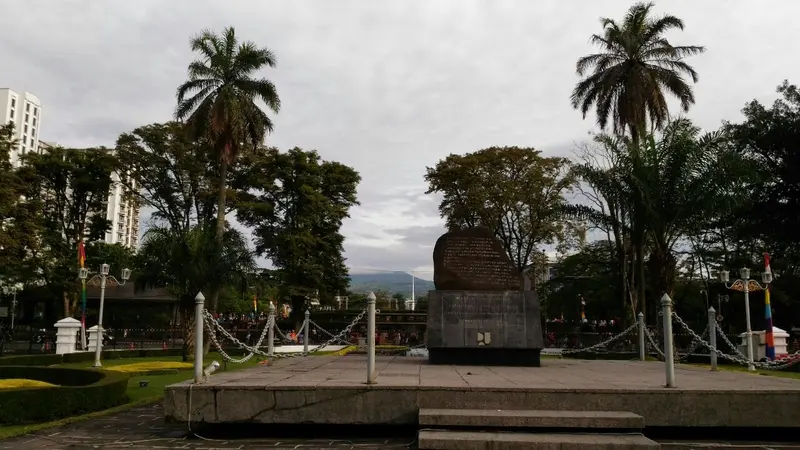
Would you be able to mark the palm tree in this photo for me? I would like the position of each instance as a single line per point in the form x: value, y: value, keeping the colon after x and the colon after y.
x: 187, y: 262
x: 218, y: 104
x: 634, y: 69
x: 659, y: 193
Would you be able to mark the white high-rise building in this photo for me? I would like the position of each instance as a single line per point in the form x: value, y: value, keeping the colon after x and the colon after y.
x: 124, y: 214
x: 25, y: 111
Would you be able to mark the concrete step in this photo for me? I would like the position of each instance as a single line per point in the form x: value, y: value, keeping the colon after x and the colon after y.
x: 509, y: 418
x: 475, y: 440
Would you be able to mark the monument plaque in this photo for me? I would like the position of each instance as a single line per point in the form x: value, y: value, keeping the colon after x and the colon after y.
x: 473, y: 259
x: 482, y: 311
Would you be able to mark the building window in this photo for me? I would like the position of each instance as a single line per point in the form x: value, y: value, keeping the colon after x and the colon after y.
x: 34, y: 121
x: 27, y: 107
x: 13, y: 114
x: 27, y: 118
x: 26, y: 129
x: 33, y: 132
x: 35, y: 112
x: 13, y: 102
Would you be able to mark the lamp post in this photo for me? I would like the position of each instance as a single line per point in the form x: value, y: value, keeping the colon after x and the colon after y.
x: 13, y: 289
x: 745, y: 284
x: 102, y: 277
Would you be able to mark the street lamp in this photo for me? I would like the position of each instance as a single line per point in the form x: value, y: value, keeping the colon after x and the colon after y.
x: 13, y: 289
x: 745, y: 284
x: 102, y: 277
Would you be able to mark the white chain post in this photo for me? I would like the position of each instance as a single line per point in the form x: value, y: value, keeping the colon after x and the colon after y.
x: 669, y: 356
x: 371, y: 338
x: 271, y: 332
x: 199, y: 301
x: 640, y: 322
x: 305, y: 332
x: 712, y: 337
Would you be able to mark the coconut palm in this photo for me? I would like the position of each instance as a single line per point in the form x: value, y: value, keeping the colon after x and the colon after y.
x: 186, y: 262
x: 219, y: 103
x: 627, y: 80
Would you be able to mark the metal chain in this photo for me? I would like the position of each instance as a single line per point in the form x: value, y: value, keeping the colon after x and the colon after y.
x: 729, y: 343
x: 343, y: 341
x: 653, y: 342
x: 602, y: 344
x: 785, y: 363
x: 694, y: 345
x: 208, y: 319
x: 283, y: 337
x: 255, y: 350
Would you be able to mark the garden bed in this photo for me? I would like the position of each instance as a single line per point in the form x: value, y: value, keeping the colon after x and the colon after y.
x: 75, y: 391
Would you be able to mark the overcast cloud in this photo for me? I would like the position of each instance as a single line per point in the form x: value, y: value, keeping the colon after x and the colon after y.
x: 388, y: 87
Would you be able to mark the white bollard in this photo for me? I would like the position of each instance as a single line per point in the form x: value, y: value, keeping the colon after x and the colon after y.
x: 271, y: 331
x: 712, y: 337
x: 642, y: 353
x: 305, y: 332
x: 669, y: 356
x: 199, y: 302
x: 371, y: 338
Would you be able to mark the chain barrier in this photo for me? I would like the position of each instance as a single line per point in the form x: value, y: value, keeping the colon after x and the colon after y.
x: 781, y: 364
x: 730, y: 344
x: 694, y: 345
x: 653, y: 343
x: 331, y: 335
x: 208, y: 319
x: 286, y: 339
x: 608, y: 341
x: 256, y: 351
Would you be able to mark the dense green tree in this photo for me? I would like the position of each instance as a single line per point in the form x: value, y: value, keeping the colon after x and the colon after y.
x: 627, y: 80
x: 586, y: 275
x: 770, y: 137
x: 71, y: 187
x: 219, y: 104
x: 295, y: 203
x: 13, y: 214
x: 184, y: 262
x: 516, y: 192
x: 170, y: 173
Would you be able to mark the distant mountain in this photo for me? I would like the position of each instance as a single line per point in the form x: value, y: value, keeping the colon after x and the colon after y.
x: 391, y: 282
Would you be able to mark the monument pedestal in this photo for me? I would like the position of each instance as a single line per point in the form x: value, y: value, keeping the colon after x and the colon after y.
x: 499, y: 328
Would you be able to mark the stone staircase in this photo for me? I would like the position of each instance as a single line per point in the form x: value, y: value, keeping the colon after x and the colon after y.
x: 478, y: 429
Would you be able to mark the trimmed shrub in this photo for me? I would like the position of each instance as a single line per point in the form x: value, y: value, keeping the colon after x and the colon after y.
x: 79, y: 391
x: 71, y: 358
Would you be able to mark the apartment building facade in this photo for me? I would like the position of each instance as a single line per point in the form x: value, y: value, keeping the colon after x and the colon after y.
x: 124, y: 213
x: 25, y: 112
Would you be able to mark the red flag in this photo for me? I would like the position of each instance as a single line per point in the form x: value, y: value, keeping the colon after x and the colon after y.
x: 81, y: 254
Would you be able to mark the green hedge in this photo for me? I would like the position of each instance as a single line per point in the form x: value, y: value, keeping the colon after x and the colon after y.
x: 79, y: 391
x: 52, y: 359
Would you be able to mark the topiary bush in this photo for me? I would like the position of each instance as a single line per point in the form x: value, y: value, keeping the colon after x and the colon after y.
x: 70, y: 358
x: 79, y: 391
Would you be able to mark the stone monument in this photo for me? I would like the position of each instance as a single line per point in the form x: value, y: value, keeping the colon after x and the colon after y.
x: 483, y: 311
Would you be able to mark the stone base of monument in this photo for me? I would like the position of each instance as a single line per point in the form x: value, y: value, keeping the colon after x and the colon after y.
x: 498, y: 328
x: 520, y: 357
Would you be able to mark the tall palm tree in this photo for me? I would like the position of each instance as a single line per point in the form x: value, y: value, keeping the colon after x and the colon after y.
x: 218, y: 103
x: 627, y: 80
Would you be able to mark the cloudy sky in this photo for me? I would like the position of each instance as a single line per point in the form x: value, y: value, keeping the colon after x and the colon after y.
x: 388, y: 87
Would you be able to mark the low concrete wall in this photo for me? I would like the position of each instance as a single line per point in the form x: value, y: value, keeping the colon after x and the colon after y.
x: 398, y: 405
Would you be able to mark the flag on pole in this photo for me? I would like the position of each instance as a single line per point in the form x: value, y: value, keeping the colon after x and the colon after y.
x: 81, y: 262
x: 768, y: 336
x: 255, y: 303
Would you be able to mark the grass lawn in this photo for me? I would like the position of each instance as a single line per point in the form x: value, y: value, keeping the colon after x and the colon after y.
x: 743, y: 369
x: 153, y: 392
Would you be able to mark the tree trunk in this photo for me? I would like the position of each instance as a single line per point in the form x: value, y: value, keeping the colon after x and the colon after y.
x: 67, y: 304
x: 187, y: 322
x: 211, y: 306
